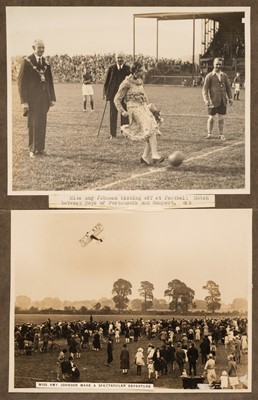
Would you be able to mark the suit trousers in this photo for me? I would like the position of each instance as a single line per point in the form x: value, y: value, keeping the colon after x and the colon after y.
x: 192, y: 367
x: 113, y: 118
x: 37, y: 121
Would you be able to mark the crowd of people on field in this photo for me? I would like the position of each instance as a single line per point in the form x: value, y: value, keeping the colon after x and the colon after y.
x: 181, y: 342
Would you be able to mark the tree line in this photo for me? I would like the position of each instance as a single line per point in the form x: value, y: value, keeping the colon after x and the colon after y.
x: 180, y: 297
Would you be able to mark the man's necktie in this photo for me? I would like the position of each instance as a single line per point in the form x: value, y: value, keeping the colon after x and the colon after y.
x: 40, y: 63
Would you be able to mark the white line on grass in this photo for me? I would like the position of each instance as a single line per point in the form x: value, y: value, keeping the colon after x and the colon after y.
x: 235, y: 116
x: 155, y: 170
x: 214, y: 151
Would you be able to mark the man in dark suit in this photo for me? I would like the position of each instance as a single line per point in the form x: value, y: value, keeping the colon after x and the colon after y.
x: 216, y: 92
x: 109, y: 352
x: 192, y: 355
x: 115, y: 75
x: 37, y: 94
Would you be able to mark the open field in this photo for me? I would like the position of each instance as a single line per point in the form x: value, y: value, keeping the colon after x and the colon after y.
x: 79, y: 160
x: 41, y: 318
x: 92, y: 365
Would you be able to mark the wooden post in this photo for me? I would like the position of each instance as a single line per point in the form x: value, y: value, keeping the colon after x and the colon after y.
x: 157, y: 41
x: 134, y: 38
x: 193, y: 58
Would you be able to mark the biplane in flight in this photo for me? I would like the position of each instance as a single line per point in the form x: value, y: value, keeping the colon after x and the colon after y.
x: 92, y: 235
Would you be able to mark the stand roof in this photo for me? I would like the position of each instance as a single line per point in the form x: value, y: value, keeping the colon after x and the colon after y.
x: 167, y: 16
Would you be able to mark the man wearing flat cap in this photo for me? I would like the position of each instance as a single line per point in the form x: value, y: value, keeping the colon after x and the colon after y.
x: 115, y: 75
x: 36, y: 89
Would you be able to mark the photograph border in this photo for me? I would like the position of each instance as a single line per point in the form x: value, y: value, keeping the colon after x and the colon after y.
x: 245, y: 190
x: 99, y: 215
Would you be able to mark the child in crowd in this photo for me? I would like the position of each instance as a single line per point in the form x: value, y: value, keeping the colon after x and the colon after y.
x: 139, y: 360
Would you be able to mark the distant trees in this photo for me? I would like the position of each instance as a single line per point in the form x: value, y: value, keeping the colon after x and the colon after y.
x: 200, y: 305
x: 239, y: 304
x: 181, y: 296
x: 33, y: 309
x: 83, y: 310
x: 146, y: 291
x: 69, y: 309
x: 97, y: 306
x: 160, y: 304
x: 106, y: 310
x: 51, y: 302
x: 23, y: 302
x: 121, y: 289
x: 213, y: 300
x: 135, y: 305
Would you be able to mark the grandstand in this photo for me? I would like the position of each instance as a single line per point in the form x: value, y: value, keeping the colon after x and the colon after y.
x: 222, y: 36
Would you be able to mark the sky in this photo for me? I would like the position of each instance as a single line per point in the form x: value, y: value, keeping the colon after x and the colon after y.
x: 193, y: 246
x: 89, y: 30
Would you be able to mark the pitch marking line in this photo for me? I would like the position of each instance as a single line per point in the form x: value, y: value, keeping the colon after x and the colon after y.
x: 155, y: 170
x: 235, y: 116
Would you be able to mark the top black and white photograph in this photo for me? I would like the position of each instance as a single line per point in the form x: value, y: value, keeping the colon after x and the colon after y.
x: 128, y: 99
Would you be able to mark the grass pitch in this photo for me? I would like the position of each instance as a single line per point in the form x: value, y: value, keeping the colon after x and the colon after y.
x: 40, y: 367
x: 79, y: 160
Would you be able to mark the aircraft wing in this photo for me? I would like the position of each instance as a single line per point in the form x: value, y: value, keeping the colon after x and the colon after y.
x: 85, y: 240
x: 98, y: 228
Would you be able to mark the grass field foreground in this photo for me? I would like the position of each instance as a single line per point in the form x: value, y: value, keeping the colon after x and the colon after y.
x: 40, y: 367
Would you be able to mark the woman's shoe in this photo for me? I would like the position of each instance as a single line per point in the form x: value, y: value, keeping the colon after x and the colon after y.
x: 157, y: 161
x: 144, y: 162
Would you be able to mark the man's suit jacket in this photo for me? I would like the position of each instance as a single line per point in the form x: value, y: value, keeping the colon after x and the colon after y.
x: 192, y: 354
x: 29, y: 81
x: 113, y: 80
x: 215, y: 90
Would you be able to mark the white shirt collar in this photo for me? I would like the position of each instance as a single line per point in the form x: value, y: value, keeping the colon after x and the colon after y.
x: 216, y: 73
x: 119, y: 66
x: 37, y: 57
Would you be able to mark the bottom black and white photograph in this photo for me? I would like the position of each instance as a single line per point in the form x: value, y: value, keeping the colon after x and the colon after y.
x: 131, y: 301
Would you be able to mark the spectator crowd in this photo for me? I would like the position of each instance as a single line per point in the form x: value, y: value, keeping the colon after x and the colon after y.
x: 165, y: 345
x: 70, y: 69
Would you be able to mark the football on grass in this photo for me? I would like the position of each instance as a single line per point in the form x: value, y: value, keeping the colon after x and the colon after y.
x: 176, y: 158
